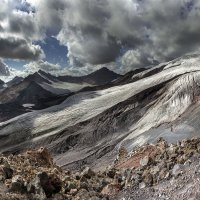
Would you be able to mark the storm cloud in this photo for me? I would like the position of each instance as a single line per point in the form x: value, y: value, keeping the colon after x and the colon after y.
x: 133, y: 33
x: 18, y: 31
x: 19, y: 48
x: 98, y: 32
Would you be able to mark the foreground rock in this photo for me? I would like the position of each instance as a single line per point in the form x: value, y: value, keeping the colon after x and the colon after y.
x: 159, y: 171
x: 163, y: 171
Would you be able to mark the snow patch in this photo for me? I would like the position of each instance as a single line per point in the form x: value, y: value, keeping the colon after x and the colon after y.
x: 28, y: 105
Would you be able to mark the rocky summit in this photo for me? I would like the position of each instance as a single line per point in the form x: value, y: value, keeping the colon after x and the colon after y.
x: 153, y: 171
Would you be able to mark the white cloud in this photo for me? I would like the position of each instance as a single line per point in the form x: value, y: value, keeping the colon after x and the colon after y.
x: 4, y: 70
x: 97, y: 32
x: 41, y: 65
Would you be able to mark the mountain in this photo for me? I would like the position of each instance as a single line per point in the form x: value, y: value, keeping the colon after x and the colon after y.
x: 1, y: 84
x: 33, y: 93
x: 89, y: 127
x: 61, y: 85
x: 37, y: 77
x: 41, y: 90
x: 100, y: 77
x: 128, y: 77
x: 14, y: 81
x: 48, y: 76
x: 4, y: 70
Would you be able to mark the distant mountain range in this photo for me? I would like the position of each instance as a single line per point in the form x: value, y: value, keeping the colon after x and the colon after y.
x: 99, y: 77
x: 14, y: 81
x: 41, y: 90
x: 1, y: 85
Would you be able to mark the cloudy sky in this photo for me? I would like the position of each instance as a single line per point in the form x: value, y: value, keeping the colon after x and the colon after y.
x: 79, y: 36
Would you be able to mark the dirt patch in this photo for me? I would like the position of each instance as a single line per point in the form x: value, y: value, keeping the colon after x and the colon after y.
x: 134, y: 160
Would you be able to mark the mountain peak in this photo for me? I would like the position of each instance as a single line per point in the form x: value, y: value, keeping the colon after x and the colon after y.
x: 102, y: 76
x: 37, y: 77
x: 42, y: 72
x: 1, y: 82
x: 102, y: 70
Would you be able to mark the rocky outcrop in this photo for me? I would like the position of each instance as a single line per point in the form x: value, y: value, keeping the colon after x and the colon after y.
x: 163, y: 171
x: 140, y: 175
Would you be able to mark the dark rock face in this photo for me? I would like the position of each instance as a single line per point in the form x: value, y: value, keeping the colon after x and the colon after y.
x: 128, y: 77
x: 7, y: 171
x: 100, y: 77
x: 4, y: 70
x: 1, y: 85
x: 14, y: 81
x: 1, y: 82
x: 34, y: 93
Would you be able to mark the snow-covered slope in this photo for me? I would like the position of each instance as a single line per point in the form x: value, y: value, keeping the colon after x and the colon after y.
x: 60, y: 88
x: 61, y: 85
x: 89, y: 126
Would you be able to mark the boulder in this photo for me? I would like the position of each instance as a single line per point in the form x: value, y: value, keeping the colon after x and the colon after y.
x: 73, y: 192
x: 177, y: 170
x: 6, y: 172
x: 82, y: 195
x: 142, y: 185
x: 43, y: 183
x: 144, y: 161
x: 87, y: 173
x: 111, y: 173
x: 147, y: 178
x: 70, y: 185
x: 83, y: 185
x: 17, y: 185
x: 154, y: 170
x: 111, y: 189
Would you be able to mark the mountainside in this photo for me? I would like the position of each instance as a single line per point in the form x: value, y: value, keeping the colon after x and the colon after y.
x: 89, y: 127
x: 14, y: 81
x: 41, y: 90
x: 34, y: 93
x: 1, y: 84
x: 57, y: 85
x: 99, y: 77
x: 127, y: 78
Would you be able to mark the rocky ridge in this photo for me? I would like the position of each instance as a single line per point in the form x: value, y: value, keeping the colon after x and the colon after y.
x: 153, y: 171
